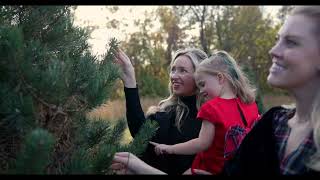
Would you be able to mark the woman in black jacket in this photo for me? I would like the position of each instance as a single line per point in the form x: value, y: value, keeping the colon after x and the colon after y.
x: 175, y: 115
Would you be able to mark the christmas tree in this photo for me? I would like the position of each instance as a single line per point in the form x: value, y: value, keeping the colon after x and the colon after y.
x: 49, y: 82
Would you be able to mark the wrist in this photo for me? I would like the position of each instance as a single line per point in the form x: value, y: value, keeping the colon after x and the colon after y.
x: 172, y: 149
x: 130, y: 83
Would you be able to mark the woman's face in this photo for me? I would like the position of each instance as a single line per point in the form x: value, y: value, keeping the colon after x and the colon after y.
x: 181, y: 77
x: 296, y: 54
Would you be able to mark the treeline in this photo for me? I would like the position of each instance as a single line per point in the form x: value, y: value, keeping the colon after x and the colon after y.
x: 247, y: 32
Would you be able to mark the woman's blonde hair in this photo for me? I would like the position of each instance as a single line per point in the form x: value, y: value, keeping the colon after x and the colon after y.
x: 221, y: 62
x: 313, y: 12
x: 174, y: 102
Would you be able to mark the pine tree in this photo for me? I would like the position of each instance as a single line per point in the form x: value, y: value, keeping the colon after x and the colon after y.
x: 49, y: 81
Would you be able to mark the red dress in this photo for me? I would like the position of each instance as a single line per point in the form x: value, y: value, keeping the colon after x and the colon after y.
x: 230, y: 129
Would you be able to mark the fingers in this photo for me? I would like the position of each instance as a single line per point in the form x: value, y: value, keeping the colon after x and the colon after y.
x: 157, y: 151
x: 121, y: 157
x: 122, y: 58
x: 117, y: 166
x: 160, y: 149
x: 123, y: 154
x: 120, y: 163
x: 157, y: 148
x: 154, y: 143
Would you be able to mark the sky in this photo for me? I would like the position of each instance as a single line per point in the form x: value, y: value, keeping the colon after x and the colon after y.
x: 98, y: 16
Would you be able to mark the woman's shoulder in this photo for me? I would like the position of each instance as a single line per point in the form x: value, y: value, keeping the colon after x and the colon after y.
x: 275, y: 116
x: 279, y: 113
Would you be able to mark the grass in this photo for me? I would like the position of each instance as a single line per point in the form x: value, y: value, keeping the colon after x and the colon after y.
x: 115, y: 110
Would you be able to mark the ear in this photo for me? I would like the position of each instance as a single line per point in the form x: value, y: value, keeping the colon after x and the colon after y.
x: 221, y: 78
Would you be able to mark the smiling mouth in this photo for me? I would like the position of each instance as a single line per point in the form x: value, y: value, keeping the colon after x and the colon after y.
x: 276, y: 68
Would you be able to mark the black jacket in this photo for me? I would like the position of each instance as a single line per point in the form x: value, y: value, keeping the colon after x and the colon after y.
x: 257, y: 153
x: 166, y: 134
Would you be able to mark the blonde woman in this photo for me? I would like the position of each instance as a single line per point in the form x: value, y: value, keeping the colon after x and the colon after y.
x: 286, y: 141
x: 175, y: 115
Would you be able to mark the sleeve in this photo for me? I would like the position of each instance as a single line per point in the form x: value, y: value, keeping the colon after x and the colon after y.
x: 207, y: 112
x: 134, y: 113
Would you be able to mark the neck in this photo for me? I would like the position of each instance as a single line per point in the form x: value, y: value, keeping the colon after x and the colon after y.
x: 227, y: 93
x: 304, y: 102
x: 189, y: 99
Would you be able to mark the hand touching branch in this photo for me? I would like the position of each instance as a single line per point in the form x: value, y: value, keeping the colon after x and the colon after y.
x: 127, y: 75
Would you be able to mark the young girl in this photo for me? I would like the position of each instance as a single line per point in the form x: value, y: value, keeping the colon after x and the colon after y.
x: 227, y: 116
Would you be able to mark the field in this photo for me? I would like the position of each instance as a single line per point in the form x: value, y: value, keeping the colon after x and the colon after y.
x: 115, y: 110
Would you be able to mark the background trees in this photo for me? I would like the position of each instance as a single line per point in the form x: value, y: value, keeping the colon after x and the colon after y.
x: 246, y: 32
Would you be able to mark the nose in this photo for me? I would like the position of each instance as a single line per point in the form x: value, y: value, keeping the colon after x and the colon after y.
x: 275, y: 51
x: 173, y: 75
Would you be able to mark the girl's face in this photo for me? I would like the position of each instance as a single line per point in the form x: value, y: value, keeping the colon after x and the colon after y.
x: 296, y: 55
x: 209, y: 85
x: 181, y: 77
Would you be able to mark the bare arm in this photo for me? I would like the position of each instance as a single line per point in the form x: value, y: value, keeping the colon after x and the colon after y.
x: 193, y: 146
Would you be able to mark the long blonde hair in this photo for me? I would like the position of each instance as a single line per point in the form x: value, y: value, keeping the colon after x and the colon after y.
x: 313, y: 12
x: 222, y: 62
x: 174, y: 102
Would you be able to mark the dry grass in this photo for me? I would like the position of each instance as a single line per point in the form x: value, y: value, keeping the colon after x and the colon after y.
x: 115, y: 110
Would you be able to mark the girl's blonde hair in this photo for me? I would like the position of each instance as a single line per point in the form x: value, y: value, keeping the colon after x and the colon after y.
x: 174, y: 102
x: 221, y: 62
x: 313, y: 12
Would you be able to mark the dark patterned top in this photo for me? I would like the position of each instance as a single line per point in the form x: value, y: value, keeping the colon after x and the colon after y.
x: 295, y: 162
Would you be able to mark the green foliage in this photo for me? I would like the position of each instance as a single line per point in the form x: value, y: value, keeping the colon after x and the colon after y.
x: 79, y: 163
x: 35, y: 155
x: 253, y: 80
x: 49, y: 81
x: 155, y: 87
x: 95, y: 156
x: 141, y: 140
x: 103, y: 159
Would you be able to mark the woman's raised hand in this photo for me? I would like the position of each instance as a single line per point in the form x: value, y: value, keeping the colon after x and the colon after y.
x: 127, y: 75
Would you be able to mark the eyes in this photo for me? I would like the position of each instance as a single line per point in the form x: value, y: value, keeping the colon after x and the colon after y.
x: 288, y: 41
x: 178, y: 70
